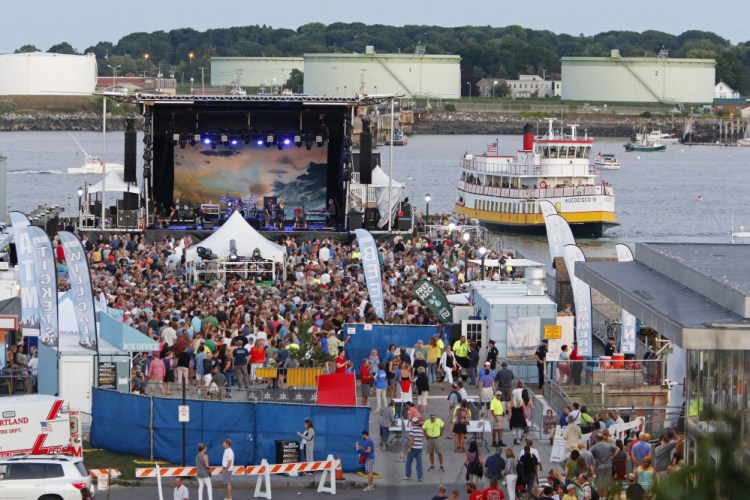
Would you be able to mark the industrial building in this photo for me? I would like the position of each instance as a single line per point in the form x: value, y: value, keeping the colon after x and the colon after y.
x: 414, y: 75
x: 638, y: 79
x: 533, y: 86
x: 42, y: 73
x: 254, y: 71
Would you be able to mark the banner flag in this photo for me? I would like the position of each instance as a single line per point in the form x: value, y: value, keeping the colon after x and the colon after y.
x: 46, y: 279
x: 434, y: 298
x: 371, y: 266
x: 80, y: 286
x: 558, y: 231
x: 627, y: 342
x: 582, y: 299
x: 30, y: 313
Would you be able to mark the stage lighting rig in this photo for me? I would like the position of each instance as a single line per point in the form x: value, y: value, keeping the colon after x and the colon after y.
x: 257, y: 255
x: 224, y: 139
x: 269, y: 140
x: 298, y: 140
x: 175, y: 139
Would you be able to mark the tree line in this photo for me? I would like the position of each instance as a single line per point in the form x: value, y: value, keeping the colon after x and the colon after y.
x: 486, y: 52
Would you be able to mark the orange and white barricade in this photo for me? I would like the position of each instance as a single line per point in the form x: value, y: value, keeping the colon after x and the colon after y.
x: 264, y: 471
x: 103, y: 477
x: 181, y: 471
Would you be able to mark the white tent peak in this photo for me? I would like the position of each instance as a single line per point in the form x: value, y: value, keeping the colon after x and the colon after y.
x: 113, y: 184
x: 245, y: 236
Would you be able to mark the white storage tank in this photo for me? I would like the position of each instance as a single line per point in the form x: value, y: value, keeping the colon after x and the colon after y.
x: 41, y: 73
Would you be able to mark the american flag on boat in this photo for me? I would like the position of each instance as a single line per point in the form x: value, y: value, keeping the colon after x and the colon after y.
x: 492, y: 147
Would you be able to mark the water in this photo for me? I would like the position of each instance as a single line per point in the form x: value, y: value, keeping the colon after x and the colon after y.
x: 655, y: 192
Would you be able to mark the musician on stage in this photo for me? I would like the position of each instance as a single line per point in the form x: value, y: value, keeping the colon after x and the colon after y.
x: 267, y: 216
x: 300, y: 221
x: 280, y: 215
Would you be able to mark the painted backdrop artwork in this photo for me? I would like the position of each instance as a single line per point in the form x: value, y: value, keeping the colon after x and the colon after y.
x: 296, y: 175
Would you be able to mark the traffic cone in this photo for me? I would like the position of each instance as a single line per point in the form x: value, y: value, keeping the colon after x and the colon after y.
x: 339, y: 472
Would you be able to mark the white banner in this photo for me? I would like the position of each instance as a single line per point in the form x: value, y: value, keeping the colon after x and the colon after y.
x: 46, y: 279
x: 523, y: 334
x: 30, y: 313
x: 371, y: 267
x: 558, y: 231
x: 80, y: 286
x: 582, y: 299
x: 627, y: 343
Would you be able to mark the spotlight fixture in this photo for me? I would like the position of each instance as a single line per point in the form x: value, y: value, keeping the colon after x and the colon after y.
x: 280, y: 144
x: 297, y: 140
x: 269, y: 140
x: 246, y: 138
x: 175, y: 139
x: 196, y: 138
x: 233, y: 142
x: 213, y: 143
x: 259, y: 141
x: 319, y: 140
x: 308, y: 143
x: 192, y: 140
x: 224, y: 139
x: 183, y: 142
x: 207, y: 140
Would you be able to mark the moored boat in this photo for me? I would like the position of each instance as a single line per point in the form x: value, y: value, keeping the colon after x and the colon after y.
x: 645, y: 146
x: 607, y: 161
x: 504, y: 191
x: 657, y: 136
x: 93, y: 165
x: 398, y: 139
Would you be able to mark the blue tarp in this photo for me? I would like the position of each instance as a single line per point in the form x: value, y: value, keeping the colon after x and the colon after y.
x: 124, y: 337
x: 120, y: 423
x: 382, y: 336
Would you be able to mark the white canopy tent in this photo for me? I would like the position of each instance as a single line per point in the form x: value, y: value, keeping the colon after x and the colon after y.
x: 246, y: 238
x: 113, y: 184
x: 377, y: 192
x: 508, y: 262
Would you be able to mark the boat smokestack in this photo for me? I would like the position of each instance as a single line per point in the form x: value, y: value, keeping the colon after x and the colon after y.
x: 528, y: 137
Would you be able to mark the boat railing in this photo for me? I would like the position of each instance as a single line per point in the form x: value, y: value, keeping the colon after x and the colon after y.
x: 511, y: 167
x: 536, y: 193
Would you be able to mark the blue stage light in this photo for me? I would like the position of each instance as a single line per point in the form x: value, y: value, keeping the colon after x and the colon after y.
x: 234, y: 142
x: 259, y: 142
x: 207, y: 141
x: 287, y: 141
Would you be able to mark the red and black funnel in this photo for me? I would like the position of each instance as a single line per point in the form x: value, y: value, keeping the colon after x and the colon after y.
x: 528, y: 137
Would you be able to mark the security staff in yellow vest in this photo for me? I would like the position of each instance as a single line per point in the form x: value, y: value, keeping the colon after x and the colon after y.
x: 461, y: 351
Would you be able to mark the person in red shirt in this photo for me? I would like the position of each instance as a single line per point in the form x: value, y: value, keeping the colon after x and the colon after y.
x: 474, y: 493
x: 365, y: 379
x: 576, y: 364
x: 493, y: 492
x: 340, y: 363
x: 257, y: 358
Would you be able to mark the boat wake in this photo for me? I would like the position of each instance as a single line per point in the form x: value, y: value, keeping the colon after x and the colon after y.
x: 32, y: 171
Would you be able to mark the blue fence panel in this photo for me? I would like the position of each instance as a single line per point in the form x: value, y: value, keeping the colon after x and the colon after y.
x: 120, y: 424
x: 382, y: 336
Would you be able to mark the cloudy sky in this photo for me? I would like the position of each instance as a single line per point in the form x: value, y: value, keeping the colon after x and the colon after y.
x: 83, y: 23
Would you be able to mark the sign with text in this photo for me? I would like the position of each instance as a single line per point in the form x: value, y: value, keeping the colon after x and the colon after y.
x: 107, y: 376
x: 183, y: 413
x: 553, y: 332
x: 433, y: 297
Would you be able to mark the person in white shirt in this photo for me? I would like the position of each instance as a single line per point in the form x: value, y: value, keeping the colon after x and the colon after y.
x: 180, y: 490
x: 227, y: 462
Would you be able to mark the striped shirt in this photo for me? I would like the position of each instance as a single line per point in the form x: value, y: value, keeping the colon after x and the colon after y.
x: 417, y: 434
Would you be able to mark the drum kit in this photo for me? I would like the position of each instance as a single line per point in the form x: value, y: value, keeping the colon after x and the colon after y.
x: 248, y: 207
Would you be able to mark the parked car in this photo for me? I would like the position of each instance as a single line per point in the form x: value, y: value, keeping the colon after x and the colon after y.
x: 43, y: 477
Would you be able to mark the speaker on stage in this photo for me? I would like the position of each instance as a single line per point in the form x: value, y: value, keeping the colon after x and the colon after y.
x: 404, y: 224
x: 130, y: 150
x: 365, y: 158
x: 356, y: 220
x: 406, y: 209
x: 130, y: 201
x: 127, y: 218
x: 372, y: 216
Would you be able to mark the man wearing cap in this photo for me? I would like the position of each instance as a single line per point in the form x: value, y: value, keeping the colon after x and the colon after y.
x: 541, y: 359
x: 497, y: 418
x: 635, y: 491
x: 611, y: 347
x: 570, y: 492
x: 492, y: 354
x: 486, y: 386
x: 433, y: 429
x: 414, y: 449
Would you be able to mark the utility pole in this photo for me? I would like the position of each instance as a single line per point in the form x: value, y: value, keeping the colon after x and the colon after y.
x: 203, y: 81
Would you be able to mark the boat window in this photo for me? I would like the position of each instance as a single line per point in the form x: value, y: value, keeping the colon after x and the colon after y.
x: 545, y: 152
x: 571, y: 151
x: 552, y: 152
x: 579, y: 152
x: 587, y: 152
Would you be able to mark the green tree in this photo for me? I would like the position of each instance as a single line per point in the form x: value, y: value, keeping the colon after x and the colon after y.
x: 719, y: 473
x: 62, y: 48
x: 26, y: 48
x: 309, y: 352
x: 296, y: 81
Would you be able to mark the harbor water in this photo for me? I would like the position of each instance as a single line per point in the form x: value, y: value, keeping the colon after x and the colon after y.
x: 688, y: 193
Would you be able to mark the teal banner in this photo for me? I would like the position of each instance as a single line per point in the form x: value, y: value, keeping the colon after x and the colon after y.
x: 433, y: 297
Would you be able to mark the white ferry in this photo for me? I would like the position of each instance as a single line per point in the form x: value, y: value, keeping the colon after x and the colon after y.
x: 658, y: 136
x: 607, y: 161
x: 503, y: 191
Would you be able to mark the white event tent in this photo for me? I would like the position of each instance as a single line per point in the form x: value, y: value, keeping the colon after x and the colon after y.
x: 377, y: 192
x: 113, y: 184
x: 246, y: 238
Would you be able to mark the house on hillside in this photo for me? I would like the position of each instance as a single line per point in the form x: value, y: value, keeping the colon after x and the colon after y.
x: 724, y: 91
x: 491, y: 87
x: 534, y: 86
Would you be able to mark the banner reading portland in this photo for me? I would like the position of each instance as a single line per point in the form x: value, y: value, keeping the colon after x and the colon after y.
x: 371, y: 266
x: 30, y: 312
x: 46, y: 279
x: 80, y: 287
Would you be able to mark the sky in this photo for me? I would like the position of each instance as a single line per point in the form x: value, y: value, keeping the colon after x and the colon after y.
x: 83, y: 23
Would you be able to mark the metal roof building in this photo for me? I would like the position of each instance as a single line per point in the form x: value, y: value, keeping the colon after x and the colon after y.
x: 42, y: 73
x: 698, y: 297
x: 657, y: 79
x: 253, y: 71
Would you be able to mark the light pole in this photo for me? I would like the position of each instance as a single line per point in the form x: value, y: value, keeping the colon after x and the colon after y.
x: 114, y: 73
x: 466, y: 237
x: 494, y: 84
x: 483, y: 253
x: 191, y: 86
x: 427, y: 199
x: 468, y: 84
x: 80, y: 205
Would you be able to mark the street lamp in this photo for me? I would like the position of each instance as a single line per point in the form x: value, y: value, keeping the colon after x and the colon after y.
x: 469, y: 85
x: 191, y: 56
x: 191, y: 85
x: 451, y: 227
x: 494, y: 84
x: 483, y: 253
x: 114, y: 73
x: 427, y: 199
x: 466, y: 237
x: 80, y: 205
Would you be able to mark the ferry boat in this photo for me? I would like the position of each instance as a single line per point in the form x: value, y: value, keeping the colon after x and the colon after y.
x: 503, y: 191
x: 607, y: 161
x: 93, y: 165
x: 645, y: 146
x: 657, y: 136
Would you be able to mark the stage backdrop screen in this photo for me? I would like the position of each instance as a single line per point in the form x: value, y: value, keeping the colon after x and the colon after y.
x: 293, y: 174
